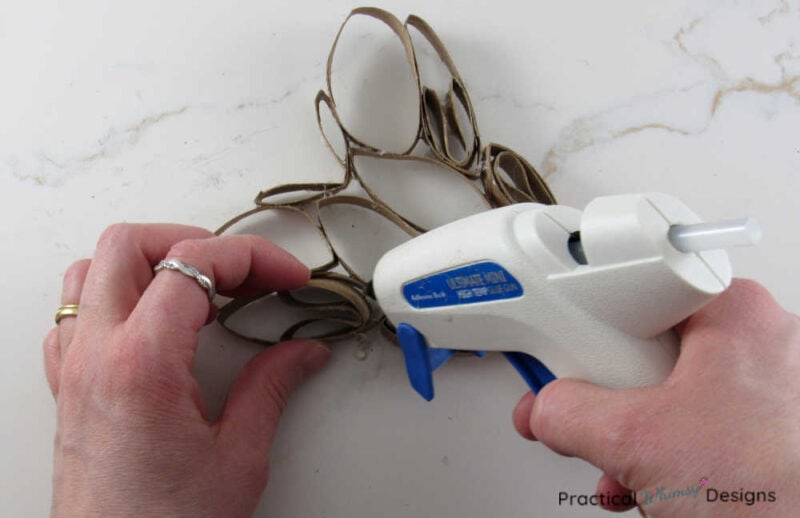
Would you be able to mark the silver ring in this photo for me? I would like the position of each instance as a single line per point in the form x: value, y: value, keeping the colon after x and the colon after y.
x: 190, y: 271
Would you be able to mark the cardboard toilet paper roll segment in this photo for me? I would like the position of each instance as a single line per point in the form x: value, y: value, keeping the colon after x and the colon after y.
x: 397, y: 116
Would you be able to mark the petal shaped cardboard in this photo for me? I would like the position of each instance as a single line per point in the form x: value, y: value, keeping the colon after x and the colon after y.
x: 372, y: 80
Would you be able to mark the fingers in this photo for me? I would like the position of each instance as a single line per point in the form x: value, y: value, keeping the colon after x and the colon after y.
x: 522, y: 416
x: 74, y: 279
x: 52, y: 359
x: 743, y: 322
x: 578, y: 419
x: 615, y: 496
x: 123, y: 268
x: 745, y: 307
x: 58, y: 339
x: 174, y: 307
x: 260, y: 393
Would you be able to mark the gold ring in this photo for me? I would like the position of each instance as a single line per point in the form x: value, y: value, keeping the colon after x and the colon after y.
x: 67, y: 310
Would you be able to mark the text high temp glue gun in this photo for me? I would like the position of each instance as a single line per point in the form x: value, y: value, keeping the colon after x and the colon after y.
x: 590, y: 295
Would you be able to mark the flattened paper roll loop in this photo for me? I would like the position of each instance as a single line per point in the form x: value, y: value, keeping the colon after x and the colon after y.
x: 420, y: 166
x: 459, y: 124
x: 348, y: 297
x: 348, y: 313
x: 508, y: 178
x: 382, y: 126
x: 461, y: 118
x: 453, y: 139
x: 340, y: 135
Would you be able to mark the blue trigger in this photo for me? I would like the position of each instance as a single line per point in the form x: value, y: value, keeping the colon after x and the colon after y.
x: 422, y: 360
x: 535, y: 374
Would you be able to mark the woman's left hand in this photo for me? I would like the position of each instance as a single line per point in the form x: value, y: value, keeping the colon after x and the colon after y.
x: 133, y: 436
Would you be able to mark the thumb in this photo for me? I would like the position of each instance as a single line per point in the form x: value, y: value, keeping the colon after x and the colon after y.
x: 579, y: 419
x: 261, y: 391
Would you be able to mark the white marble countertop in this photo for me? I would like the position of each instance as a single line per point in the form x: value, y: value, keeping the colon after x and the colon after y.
x: 181, y: 111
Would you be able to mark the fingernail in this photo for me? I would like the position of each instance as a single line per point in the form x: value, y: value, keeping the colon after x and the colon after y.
x: 316, y: 357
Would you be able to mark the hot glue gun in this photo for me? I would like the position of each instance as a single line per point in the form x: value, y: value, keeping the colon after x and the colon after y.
x: 562, y: 293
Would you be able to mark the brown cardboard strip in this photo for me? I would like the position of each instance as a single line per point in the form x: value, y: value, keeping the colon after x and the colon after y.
x: 303, y: 192
x: 347, y: 293
x: 466, y: 131
x: 349, y: 314
x: 323, y: 98
x: 508, y: 178
x: 443, y: 133
x: 338, y: 305
x: 439, y: 143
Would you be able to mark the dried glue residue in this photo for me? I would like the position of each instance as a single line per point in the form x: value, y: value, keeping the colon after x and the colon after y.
x: 362, y: 348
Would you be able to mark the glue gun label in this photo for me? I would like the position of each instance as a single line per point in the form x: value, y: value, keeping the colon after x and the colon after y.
x: 472, y: 284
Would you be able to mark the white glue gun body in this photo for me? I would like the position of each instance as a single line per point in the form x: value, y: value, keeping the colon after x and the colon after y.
x: 563, y: 293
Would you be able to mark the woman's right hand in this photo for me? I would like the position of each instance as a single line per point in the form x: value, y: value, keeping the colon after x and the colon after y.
x: 719, y: 437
